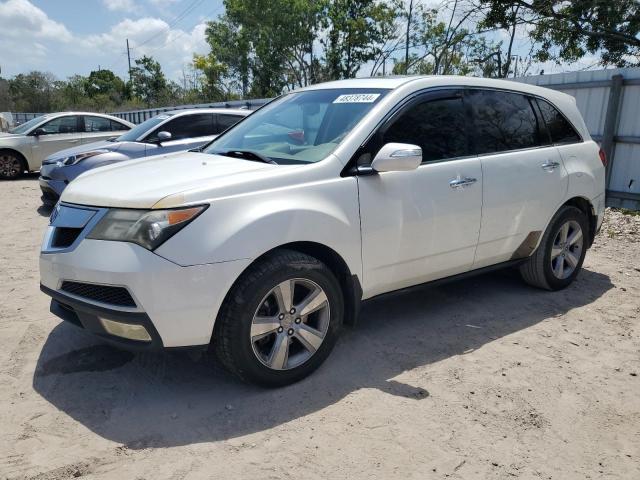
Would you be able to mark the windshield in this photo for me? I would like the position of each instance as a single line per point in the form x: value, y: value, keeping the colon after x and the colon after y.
x: 25, y: 127
x: 137, y: 131
x: 301, y: 127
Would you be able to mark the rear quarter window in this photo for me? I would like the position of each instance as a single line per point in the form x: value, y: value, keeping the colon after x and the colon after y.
x: 560, y: 130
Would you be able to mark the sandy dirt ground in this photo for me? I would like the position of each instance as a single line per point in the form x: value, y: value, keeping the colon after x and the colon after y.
x: 484, y: 378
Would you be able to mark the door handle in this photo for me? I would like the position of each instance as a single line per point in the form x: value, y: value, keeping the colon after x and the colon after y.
x: 73, y: 141
x: 549, y: 166
x: 462, y: 182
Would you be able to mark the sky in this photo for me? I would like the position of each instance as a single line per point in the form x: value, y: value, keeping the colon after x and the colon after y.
x: 67, y: 37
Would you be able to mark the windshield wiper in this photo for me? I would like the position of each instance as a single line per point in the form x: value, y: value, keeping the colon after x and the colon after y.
x: 248, y: 155
x: 112, y: 139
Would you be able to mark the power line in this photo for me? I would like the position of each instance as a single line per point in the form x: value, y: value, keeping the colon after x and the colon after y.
x: 174, y: 22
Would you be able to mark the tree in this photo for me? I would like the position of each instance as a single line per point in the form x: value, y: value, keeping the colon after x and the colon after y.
x: 568, y: 30
x: 355, y: 31
x: 148, y: 82
x: 107, y: 84
x: 33, y: 91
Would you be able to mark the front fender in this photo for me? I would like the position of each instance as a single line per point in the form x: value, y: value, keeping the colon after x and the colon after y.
x: 245, y: 227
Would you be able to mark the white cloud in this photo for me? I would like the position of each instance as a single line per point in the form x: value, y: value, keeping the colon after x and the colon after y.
x: 120, y: 5
x: 152, y: 36
x: 20, y: 19
x: 50, y: 46
x: 163, y: 3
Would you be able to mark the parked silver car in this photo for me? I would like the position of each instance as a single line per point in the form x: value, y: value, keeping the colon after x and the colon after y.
x: 27, y: 145
x: 173, y: 131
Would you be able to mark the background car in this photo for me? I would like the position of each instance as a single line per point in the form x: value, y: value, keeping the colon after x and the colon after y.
x: 25, y: 146
x: 172, y: 131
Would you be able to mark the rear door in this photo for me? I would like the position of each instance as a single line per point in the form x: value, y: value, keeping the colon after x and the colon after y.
x: 95, y: 129
x: 524, y: 179
x: 225, y: 121
x: 187, y: 131
x: 421, y: 225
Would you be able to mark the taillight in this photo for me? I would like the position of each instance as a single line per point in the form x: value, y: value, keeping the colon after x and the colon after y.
x: 603, y: 157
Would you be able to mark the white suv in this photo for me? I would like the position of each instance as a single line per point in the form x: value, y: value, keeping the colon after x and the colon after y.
x: 264, y: 244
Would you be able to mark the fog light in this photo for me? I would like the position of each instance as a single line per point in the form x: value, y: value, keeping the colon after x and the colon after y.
x: 126, y: 330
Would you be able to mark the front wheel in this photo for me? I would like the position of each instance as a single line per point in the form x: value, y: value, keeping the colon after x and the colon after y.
x: 280, y: 320
x: 558, y: 259
x: 11, y: 165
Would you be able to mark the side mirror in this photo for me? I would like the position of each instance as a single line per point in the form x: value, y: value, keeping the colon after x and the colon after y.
x: 39, y: 131
x: 163, y: 136
x: 397, y: 157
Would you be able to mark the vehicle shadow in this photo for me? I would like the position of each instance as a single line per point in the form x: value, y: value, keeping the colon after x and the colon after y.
x: 168, y: 399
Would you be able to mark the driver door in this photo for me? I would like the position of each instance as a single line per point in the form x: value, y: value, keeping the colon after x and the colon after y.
x: 58, y: 134
x: 187, y: 132
x: 421, y: 225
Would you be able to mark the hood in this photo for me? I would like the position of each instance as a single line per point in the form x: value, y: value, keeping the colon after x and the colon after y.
x: 10, y: 135
x: 145, y: 182
x: 87, y: 147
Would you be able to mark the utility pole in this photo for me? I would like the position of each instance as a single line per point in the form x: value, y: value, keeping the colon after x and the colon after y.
x: 129, y: 59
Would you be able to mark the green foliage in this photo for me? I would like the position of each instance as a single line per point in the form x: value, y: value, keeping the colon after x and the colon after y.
x: 148, y: 83
x: 568, y: 30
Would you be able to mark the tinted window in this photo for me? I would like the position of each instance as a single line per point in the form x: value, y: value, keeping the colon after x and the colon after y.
x: 559, y: 128
x: 139, y: 130
x: 61, y: 125
x: 117, y: 126
x: 226, y: 121
x: 97, y: 124
x: 503, y: 121
x: 437, y: 126
x: 189, y: 126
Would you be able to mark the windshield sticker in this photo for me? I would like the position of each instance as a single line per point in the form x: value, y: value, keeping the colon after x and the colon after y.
x: 357, y: 98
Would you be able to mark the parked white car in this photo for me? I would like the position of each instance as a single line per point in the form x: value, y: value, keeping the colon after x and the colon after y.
x: 27, y: 145
x: 265, y: 243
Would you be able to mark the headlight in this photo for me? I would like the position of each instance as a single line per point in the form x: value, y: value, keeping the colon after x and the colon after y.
x: 147, y: 228
x: 73, y: 159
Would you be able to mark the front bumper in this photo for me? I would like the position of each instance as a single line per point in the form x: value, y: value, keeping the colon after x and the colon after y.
x: 179, y: 303
x: 88, y: 317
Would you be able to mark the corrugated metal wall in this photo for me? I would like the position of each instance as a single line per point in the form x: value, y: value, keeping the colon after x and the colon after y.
x: 594, y: 91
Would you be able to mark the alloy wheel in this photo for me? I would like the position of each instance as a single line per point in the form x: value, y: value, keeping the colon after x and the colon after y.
x: 10, y: 166
x: 290, y: 324
x: 567, y: 249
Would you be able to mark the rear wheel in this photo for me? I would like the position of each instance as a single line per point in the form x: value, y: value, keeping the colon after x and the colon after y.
x: 558, y: 259
x: 11, y: 165
x: 281, y: 319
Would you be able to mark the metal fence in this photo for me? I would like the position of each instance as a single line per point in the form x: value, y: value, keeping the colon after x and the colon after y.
x: 609, y: 101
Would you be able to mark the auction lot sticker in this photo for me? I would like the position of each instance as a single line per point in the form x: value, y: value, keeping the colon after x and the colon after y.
x: 357, y: 98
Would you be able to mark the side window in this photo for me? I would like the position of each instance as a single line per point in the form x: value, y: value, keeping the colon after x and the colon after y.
x: 118, y: 127
x: 61, y: 125
x: 437, y: 126
x: 97, y: 124
x: 188, y: 126
x: 503, y: 121
x: 226, y: 121
x: 560, y: 129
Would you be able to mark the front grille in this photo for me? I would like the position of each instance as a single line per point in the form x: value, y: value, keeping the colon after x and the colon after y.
x: 119, y: 296
x: 63, y: 237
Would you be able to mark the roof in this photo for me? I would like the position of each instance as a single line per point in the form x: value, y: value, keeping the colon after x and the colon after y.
x: 228, y: 111
x: 425, y: 81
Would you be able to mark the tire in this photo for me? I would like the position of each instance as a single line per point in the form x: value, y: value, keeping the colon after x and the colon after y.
x: 12, y: 165
x: 252, y: 321
x: 556, y: 262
